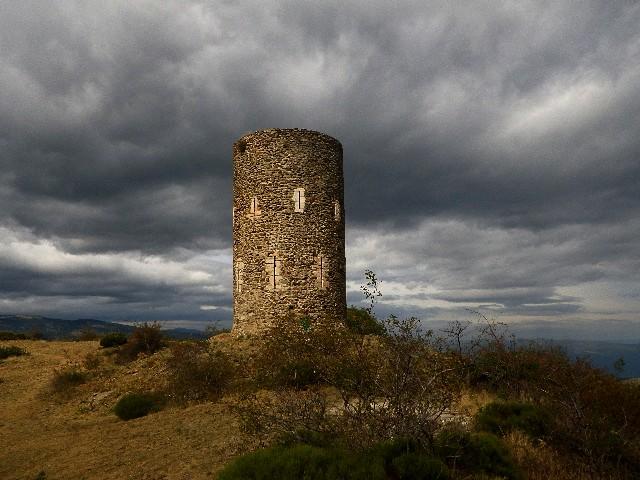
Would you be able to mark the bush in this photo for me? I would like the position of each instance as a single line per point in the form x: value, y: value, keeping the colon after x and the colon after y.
x: 414, y: 466
x: 136, y: 405
x: 197, y: 372
x: 476, y: 452
x: 67, y: 378
x: 114, y: 339
x: 362, y: 321
x: 594, y: 414
x: 87, y: 334
x: 146, y: 338
x: 11, y: 351
x: 304, y: 462
x: 392, y: 386
x: 288, y: 356
x: 501, y: 418
x: 12, y: 336
x: 91, y: 361
x: 486, y: 453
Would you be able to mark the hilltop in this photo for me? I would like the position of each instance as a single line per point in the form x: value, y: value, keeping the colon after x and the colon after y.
x: 371, y: 404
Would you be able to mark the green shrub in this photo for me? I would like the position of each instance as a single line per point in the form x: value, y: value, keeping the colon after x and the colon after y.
x: 67, y: 378
x: 136, y: 405
x: 486, y: 453
x: 393, y: 449
x: 11, y: 351
x: 502, y: 417
x: 303, y: 462
x: 362, y: 321
x: 413, y: 466
x: 114, y: 339
x: 198, y: 372
x: 12, y: 336
x: 476, y: 452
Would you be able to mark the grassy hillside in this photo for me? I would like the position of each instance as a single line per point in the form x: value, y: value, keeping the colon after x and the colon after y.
x: 74, y: 434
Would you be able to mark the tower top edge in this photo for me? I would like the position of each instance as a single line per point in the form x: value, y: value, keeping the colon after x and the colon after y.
x: 286, y: 133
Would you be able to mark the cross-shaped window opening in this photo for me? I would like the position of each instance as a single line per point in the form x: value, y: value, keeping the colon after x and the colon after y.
x: 239, y: 271
x: 321, y: 271
x: 273, y: 265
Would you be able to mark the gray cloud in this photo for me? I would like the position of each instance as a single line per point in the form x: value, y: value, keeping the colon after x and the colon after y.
x: 491, y: 154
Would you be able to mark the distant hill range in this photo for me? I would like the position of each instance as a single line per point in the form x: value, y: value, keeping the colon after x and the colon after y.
x: 603, y: 354
x: 56, y: 328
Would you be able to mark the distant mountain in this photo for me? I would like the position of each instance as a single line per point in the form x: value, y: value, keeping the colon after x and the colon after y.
x: 56, y: 328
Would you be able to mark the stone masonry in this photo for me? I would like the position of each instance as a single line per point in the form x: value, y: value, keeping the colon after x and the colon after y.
x: 288, y: 228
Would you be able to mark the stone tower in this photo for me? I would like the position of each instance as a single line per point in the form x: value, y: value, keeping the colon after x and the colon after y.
x: 288, y: 228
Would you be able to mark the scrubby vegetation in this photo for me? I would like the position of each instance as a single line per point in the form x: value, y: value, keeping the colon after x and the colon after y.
x: 114, y: 339
x: 337, y: 388
x: 503, y: 417
x: 198, y: 372
x: 304, y: 461
x: 136, y: 405
x: 12, y: 336
x: 65, y: 379
x: 11, y: 351
x: 146, y: 338
x: 362, y: 321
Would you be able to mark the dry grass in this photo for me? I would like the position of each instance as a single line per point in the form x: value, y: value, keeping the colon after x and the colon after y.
x: 541, y: 462
x: 79, y: 437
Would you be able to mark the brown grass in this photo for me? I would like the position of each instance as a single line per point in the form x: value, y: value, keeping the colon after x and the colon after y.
x: 541, y: 462
x: 79, y: 437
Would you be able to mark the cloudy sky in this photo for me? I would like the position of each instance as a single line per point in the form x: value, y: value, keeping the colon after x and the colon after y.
x: 492, y: 153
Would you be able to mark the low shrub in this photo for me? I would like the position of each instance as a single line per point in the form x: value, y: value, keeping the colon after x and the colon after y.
x: 67, y: 378
x: 12, y: 336
x: 486, y: 453
x: 414, y: 466
x: 114, y: 339
x: 480, y: 452
x: 146, y: 338
x: 501, y: 418
x: 198, y: 372
x: 87, y: 334
x: 11, y: 351
x: 363, y: 322
x: 289, y: 355
x: 92, y: 361
x: 304, y: 462
x: 136, y: 405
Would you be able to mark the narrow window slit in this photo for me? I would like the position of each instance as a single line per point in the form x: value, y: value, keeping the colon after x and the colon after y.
x: 298, y: 200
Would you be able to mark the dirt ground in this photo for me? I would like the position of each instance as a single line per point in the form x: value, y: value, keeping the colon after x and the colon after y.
x: 44, y: 435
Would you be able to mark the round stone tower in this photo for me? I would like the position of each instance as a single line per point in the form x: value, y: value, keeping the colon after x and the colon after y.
x: 288, y: 228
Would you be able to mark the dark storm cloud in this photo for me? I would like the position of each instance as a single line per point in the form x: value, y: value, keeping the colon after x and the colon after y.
x: 491, y: 151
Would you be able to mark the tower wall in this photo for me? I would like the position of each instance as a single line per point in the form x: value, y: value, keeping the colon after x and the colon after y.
x: 288, y: 228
